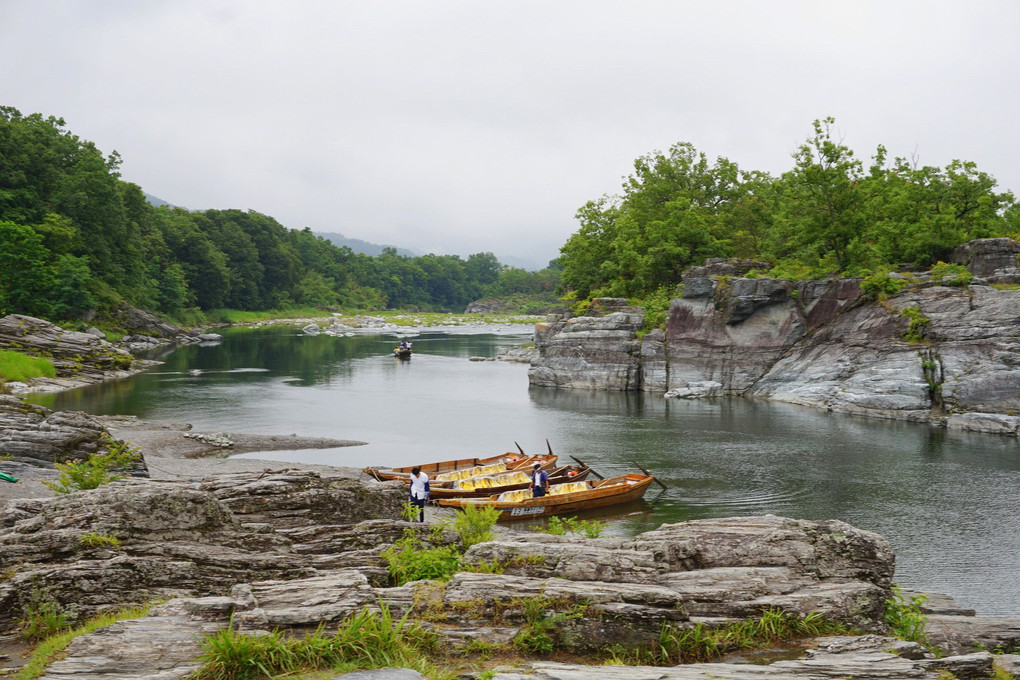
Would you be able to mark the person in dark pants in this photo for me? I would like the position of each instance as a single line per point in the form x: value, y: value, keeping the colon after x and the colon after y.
x: 419, y: 491
x: 539, y: 481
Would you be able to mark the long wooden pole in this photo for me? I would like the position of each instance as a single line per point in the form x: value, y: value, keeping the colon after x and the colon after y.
x: 645, y: 470
x: 583, y: 464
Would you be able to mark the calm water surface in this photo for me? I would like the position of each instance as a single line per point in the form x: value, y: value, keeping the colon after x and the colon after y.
x: 948, y: 502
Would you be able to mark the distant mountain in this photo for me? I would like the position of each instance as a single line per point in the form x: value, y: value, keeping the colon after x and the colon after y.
x: 359, y: 246
x: 156, y: 201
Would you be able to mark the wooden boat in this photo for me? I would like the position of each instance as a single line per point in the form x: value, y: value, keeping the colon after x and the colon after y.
x: 483, y: 487
x: 402, y: 352
x: 464, y: 467
x: 562, y: 498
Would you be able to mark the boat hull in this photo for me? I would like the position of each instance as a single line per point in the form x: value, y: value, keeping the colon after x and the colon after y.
x: 611, y: 491
x: 512, y: 461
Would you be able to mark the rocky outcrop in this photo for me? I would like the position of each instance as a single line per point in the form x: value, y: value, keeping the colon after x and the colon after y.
x: 140, y: 540
x: 596, y: 352
x: 997, y: 260
x: 943, y: 354
x: 294, y: 550
x: 85, y: 358
x: 866, y: 657
x: 80, y: 358
x: 38, y: 436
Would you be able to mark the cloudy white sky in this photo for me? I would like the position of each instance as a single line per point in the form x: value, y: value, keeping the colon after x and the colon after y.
x: 483, y: 125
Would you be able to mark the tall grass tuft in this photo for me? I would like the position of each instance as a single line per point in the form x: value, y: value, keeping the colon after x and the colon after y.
x: 365, y: 640
x: 18, y: 367
x: 700, y: 643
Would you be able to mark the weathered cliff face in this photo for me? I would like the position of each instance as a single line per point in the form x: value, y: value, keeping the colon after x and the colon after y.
x: 294, y: 550
x: 935, y: 353
x: 596, y: 352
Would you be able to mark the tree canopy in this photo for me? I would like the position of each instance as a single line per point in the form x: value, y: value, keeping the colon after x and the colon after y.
x: 829, y: 214
x: 75, y: 240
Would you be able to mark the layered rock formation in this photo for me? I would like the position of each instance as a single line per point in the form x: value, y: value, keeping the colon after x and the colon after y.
x: 85, y: 358
x: 293, y: 550
x: 936, y: 353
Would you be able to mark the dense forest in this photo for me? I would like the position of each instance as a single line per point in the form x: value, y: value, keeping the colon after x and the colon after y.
x: 829, y: 215
x: 78, y: 242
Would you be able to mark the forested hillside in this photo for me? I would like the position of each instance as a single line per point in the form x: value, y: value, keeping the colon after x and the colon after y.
x: 829, y: 214
x: 77, y: 241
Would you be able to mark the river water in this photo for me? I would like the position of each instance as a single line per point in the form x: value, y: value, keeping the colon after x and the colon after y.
x: 947, y: 501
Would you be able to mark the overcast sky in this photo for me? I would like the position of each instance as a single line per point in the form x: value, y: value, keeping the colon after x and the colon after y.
x: 483, y: 125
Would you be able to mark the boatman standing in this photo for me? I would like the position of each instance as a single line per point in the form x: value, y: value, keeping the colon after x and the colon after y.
x: 539, y: 481
x: 419, y: 491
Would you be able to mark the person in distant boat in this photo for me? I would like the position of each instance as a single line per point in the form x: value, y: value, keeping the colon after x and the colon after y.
x: 404, y: 345
x: 539, y: 481
x: 419, y: 491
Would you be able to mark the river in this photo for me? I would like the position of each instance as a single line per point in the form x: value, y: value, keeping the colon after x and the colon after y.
x: 947, y: 501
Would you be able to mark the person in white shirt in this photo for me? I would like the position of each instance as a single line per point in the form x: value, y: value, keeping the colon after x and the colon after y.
x: 419, y: 491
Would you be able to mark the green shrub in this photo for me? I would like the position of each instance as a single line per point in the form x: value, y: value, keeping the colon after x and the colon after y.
x: 951, y: 274
x: 409, y: 559
x: 98, y: 469
x: 656, y: 307
x: 562, y: 526
x: 918, y: 322
x: 474, y: 524
x: 18, y: 367
x: 905, y: 618
x: 881, y: 285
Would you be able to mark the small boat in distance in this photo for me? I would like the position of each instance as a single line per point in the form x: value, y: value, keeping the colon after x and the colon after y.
x: 562, y: 498
x: 403, y: 350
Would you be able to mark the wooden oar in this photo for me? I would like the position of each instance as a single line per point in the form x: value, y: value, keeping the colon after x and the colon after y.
x: 583, y: 464
x: 548, y: 446
x: 520, y: 449
x: 645, y: 470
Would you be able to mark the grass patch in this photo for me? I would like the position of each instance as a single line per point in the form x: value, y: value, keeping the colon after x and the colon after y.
x: 363, y: 641
x: 18, y: 367
x: 94, y: 540
x: 52, y: 648
x: 700, y: 643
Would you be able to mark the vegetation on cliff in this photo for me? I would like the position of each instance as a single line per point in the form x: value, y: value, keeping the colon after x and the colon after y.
x: 76, y: 240
x: 829, y: 214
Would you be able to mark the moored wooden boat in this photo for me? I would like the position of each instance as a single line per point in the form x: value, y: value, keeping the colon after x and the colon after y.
x: 485, y: 486
x: 463, y: 467
x: 562, y: 498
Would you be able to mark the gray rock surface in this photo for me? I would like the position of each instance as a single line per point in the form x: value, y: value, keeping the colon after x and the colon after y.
x: 814, y: 343
x: 293, y: 550
x: 861, y: 658
x: 595, y: 352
